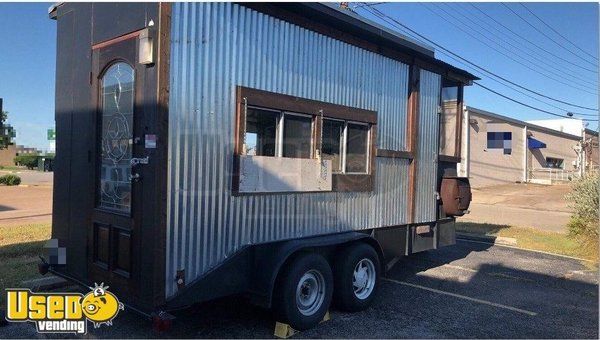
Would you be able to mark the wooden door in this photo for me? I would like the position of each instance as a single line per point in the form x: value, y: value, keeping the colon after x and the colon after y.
x: 114, y: 252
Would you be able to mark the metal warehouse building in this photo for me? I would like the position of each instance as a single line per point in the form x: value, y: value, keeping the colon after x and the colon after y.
x: 499, y: 149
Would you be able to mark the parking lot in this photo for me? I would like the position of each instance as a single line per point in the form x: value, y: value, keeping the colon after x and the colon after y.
x: 542, y: 207
x: 471, y: 290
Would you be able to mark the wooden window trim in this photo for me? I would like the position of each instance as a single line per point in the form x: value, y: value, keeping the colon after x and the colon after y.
x: 459, y: 122
x: 283, y: 102
x: 394, y: 154
x: 449, y: 159
x: 456, y: 157
x: 246, y: 96
x: 414, y: 88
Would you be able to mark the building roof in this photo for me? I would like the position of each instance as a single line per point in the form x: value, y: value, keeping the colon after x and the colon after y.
x: 514, y: 121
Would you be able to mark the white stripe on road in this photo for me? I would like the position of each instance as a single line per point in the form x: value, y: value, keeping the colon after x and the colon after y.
x: 489, y: 303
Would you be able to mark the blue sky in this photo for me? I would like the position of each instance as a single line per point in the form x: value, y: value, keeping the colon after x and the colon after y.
x: 28, y: 57
x: 578, y: 22
x: 27, y: 68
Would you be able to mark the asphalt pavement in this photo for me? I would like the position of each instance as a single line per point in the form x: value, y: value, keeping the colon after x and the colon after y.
x: 470, y: 290
x: 542, y: 207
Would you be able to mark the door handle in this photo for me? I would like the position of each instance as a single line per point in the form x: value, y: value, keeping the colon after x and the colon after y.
x: 135, y: 177
x: 135, y: 161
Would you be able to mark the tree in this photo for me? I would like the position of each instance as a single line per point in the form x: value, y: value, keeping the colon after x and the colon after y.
x: 7, y: 132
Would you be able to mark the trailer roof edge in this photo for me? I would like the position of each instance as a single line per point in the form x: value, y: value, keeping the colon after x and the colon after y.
x: 359, y: 27
x: 52, y: 10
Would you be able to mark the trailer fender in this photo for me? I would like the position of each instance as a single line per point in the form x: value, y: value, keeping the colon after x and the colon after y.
x: 270, y: 258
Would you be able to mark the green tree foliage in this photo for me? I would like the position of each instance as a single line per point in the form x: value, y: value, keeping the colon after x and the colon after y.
x: 583, y: 199
x: 29, y: 161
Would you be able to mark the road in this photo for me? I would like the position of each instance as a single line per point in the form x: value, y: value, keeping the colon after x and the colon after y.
x: 31, y: 177
x: 471, y: 290
x: 28, y: 203
x: 554, y: 221
x: 526, y: 205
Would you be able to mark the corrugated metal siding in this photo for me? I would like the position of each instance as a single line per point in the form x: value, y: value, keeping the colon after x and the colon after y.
x: 216, y: 46
x: 427, y: 149
x: 392, y: 108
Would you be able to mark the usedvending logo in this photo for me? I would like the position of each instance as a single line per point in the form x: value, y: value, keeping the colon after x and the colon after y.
x: 63, y: 312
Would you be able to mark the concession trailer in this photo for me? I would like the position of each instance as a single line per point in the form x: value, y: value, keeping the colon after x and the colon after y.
x: 285, y: 152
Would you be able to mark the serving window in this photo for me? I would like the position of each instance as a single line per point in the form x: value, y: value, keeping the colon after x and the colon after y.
x: 277, y: 134
x: 286, y: 127
x: 260, y: 138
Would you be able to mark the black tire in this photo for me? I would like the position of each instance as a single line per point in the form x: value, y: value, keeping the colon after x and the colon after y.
x: 345, y: 297
x: 284, y: 303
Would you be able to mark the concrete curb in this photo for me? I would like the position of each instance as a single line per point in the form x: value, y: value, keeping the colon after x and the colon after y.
x: 507, y: 241
x: 48, y: 282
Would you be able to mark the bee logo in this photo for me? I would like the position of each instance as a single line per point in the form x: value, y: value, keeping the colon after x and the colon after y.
x: 101, y: 306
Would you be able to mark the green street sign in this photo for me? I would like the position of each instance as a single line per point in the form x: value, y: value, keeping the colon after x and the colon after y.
x: 51, y: 134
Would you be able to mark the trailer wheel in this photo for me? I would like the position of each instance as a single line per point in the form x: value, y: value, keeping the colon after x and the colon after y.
x: 356, y: 277
x: 304, y: 291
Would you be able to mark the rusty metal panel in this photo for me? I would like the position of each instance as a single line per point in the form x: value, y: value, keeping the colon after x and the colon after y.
x: 427, y: 147
x: 218, y: 46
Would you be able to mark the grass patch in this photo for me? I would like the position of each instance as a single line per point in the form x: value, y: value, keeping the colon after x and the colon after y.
x: 530, y: 238
x: 19, y: 250
x: 12, y: 168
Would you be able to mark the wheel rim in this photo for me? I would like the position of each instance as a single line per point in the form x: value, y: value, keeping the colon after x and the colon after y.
x: 363, y: 278
x: 310, y: 292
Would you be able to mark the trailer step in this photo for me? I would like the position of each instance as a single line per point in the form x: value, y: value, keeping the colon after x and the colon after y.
x: 284, y: 331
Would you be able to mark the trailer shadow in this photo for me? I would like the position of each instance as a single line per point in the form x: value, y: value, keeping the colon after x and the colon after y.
x: 491, y: 299
x: 470, y: 290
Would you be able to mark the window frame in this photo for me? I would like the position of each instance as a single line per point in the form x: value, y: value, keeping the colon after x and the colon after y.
x: 562, y: 163
x: 317, y: 110
x: 457, y: 156
x: 276, y: 129
x: 342, y: 145
x: 368, y: 151
x: 281, y: 132
x: 280, y: 128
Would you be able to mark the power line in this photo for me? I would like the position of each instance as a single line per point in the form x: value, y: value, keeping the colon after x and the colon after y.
x: 383, y: 16
x: 521, y: 37
x: 508, y: 40
x: 521, y: 92
x: 555, y: 31
x: 545, y: 35
x: 499, y: 82
x: 527, y: 105
x: 590, y: 86
x: 368, y: 4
